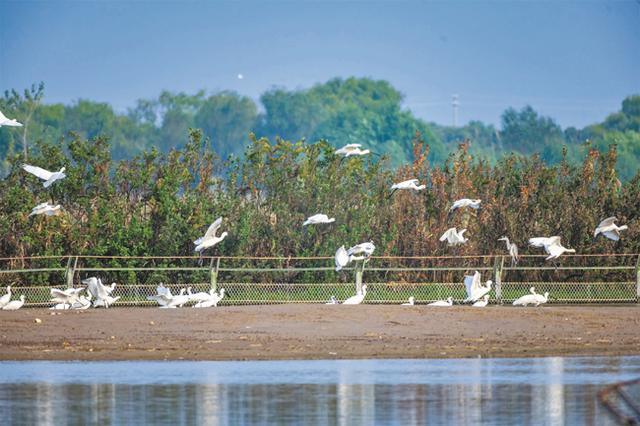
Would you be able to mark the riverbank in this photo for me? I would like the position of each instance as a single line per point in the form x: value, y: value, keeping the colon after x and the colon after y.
x: 318, y: 332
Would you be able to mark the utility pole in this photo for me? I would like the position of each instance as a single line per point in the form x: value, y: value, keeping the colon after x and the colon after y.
x: 455, y: 103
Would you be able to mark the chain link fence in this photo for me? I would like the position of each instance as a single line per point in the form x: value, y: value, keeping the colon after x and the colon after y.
x: 390, y: 280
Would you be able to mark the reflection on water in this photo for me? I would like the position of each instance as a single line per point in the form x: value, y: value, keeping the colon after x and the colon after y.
x: 471, y: 391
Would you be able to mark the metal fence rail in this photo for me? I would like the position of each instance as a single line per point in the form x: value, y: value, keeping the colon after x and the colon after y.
x: 604, y: 278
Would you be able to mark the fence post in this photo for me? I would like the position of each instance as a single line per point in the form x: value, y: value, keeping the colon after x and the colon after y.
x: 497, y: 274
x: 359, y: 270
x: 70, y: 272
x: 638, y: 280
x: 214, y: 274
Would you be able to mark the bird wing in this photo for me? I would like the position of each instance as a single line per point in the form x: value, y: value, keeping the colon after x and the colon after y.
x: 37, y: 171
x: 538, y: 241
x: 553, y: 241
x: 341, y: 258
x: 211, y: 232
x: 2, y: 117
x: 447, y: 234
x: 56, y: 293
x: 40, y: 206
x: 607, y: 222
x: 468, y: 284
x: 457, y: 204
x: 612, y: 234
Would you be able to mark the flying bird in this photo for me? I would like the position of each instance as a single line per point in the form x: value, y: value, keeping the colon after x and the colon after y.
x: 609, y: 229
x: 513, y: 250
x: 341, y: 257
x: 4, y: 121
x: 551, y: 245
x: 465, y: 202
x: 351, y: 149
x: 47, y: 176
x: 474, y: 287
x: 407, y: 184
x: 318, y: 219
x: 210, y: 238
x: 364, y: 249
x: 46, y: 209
x: 454, y: 237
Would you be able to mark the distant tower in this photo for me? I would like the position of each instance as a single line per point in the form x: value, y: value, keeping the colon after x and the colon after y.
x: 455, y: 103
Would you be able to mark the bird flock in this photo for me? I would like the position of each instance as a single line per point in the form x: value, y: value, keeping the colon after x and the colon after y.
x: 100, y: 295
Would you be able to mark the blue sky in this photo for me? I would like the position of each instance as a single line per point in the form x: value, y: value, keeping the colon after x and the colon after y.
x: 572, y: 60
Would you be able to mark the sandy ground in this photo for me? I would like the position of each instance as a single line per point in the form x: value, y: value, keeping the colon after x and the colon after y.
x: 318, y: 332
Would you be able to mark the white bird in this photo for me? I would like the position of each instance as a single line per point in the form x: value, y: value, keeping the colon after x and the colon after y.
x: 105, y: 301
x: 67, y: 297
x: 179, y: 300
x: 474, y: 287
x: 60, y: 307
x: 443, y: 303
x: 14, y: 305
x: 163, y: 296
x: 352, y: 149
x: 100, y: 292
x: 332, y: 301
x: 4, y: 121
x: 213, y: 301
x: 412, y: 301
x: 365, y: 249
x: 317, y: 219
x: 408, y: 184
x: 210, y: 239
x: 84, y: 302
x: 482, y: 302
x: 201, y: 296
x: 609, y: 229
x: 6, y: 298
x: 531, y: 299
x: 47, y: 176
x: 454, y: 237
x: 465, y: 202
x: 551, y: 245
x: 341, y: 258
x: 513, y: 250
x: 45, y: 208
x: 358, y: 298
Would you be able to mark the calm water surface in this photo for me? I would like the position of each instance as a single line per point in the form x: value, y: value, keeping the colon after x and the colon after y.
x: 460, y: 391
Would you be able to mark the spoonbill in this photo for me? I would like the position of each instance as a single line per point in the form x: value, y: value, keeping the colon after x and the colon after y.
x: 512, y: 249
x: 6, y: 298
x: 47, y: 176
x: 551, y: 245
x: 341, y: 258
x: 179, y: 300
x: 454, y: 237
x: 45, y: 208
x: 14, y: 305
x: 352, y: 149
x: 482, y: 302
x: 411, y: 302
x: 210, y: 238
x: 4, y: 121
x: 443, y: 303
x: 332, y: 301
x: 318, y: 219
x: 475, y: 288
x: 66, y: 297
x: 609, y: 229
x: 212, y: 301
x: 358, y: 298
x: 407, y: 184
x: 532, y: 299
x: 465, y: 202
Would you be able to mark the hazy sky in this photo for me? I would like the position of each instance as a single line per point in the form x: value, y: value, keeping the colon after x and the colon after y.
x: 572, y: 60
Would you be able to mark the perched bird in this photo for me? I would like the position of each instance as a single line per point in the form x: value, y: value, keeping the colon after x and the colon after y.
x: 342, y: 259
x: 443, y: 303
x: 475, y: 288
x: 358, y: 298
x: 332, y: 301
x: 513, y: 250
x: 532, y: 299
x: 46, y: 209
x: 14, y: 305
x: 482, y: 302
x: 407, y: 184
x: 364, y: 249
x: 352, y: 149
x: 47, y: 176
x: 609, y: 229
x: 317, y: 219
x: 412, y: 301
x: 4, y: 121
x: 551, y: 245
x: 6, y: 298
x: 465, y: 202
x: 210, y: 239
x: 454, y: 237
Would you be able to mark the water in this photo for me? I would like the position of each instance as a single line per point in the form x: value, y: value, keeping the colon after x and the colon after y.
x: 460, y: 391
